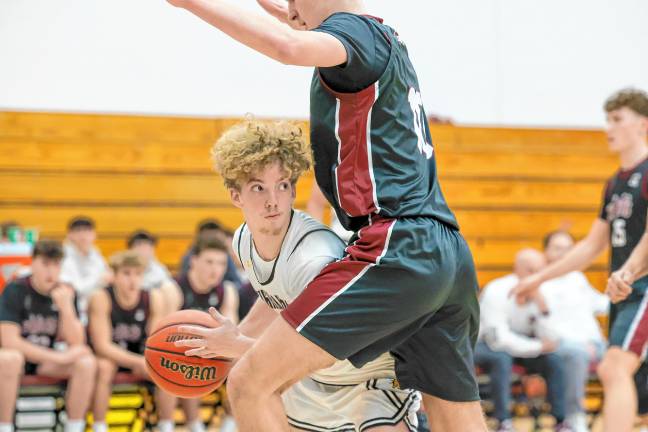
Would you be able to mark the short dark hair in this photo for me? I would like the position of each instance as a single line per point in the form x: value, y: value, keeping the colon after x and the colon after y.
x: 208, y: 225
x: 49, y: 249
x: 635, y: 99
x: 208, y: 242
x: 141, y: 236
x: 549, y: 236
x: 81, y: 222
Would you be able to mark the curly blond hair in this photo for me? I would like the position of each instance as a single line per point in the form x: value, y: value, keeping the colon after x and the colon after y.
x: 248, y: 147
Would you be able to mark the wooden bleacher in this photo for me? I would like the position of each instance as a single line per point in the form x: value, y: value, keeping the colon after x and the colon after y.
x: 507, y: 186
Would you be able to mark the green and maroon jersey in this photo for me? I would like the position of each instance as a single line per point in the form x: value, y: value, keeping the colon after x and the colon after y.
x: 624, y: 208
x: 369, y: 132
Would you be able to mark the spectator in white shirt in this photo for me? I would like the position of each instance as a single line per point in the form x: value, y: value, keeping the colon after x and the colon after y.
x: 572, y: 305
x: 506, y: 327
x: 83, y: 266
x: 155, y: 274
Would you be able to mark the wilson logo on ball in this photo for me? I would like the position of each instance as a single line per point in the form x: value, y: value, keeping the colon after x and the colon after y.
x: 201, y: 373
x: 178, y: 337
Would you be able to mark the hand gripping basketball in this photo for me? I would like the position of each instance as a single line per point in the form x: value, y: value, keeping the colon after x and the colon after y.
x: 221, y: 341
x: 171, y: 369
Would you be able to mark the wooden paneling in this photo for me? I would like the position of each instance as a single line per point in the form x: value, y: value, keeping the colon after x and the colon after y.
x: 118, y: 189
x: 209, y: 190
x: 507, y: 186
x: 474, y: 223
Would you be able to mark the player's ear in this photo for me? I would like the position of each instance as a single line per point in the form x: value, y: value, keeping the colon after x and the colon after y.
x: 235, y: 196
x: 645, y: 124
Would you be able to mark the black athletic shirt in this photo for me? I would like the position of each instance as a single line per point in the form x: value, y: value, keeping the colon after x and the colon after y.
x: 129, y: 325
x: 200, y: 301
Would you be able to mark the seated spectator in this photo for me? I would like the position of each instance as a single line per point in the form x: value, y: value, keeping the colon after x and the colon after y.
x: 203, y: 287
x: 569, y: 318
x: 211, y: 228
x: 155, y: 273
x: 506, y: 332
x: 35, y: 312
x: 120, y: 316
x: 83, y: 266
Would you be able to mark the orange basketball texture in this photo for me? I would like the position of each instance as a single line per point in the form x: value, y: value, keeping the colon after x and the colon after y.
x: 171, y: 370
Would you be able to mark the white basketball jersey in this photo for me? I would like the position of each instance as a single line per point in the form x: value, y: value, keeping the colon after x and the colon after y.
x: 307, y: 248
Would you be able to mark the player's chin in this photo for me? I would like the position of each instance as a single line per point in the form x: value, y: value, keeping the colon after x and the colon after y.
x: 299, y: 26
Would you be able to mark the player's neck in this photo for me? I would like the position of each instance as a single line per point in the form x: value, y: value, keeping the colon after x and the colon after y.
x: 127, y: 302
x: 37, y: 287
x: 632, y: 156
x: 268, y: 245
x: 349, y: 6
x: 196, y: 283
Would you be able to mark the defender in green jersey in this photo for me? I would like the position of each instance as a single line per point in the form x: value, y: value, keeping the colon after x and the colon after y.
x: 407, y: 282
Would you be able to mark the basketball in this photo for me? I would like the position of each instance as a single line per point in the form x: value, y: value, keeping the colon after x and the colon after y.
x: 180, y: 375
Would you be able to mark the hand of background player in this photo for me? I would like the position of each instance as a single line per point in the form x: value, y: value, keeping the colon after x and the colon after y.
x: 525, y: 287
x: 619, y: 285
x: 70, y: 355
x: 222, y: 341
x: 140, y: 369
x: 63, y: 296
x: 548, y: 346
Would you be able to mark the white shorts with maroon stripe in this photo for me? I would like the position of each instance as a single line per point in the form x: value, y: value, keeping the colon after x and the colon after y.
x: 314, y: 406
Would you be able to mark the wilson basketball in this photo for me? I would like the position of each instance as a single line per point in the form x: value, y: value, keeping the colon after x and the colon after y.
x: 180, y: 375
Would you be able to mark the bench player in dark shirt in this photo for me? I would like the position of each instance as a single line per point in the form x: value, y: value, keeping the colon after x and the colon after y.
x: 35, y: 313
x: 620, y: 225
x: 120, y: 317
x: 204, y: 286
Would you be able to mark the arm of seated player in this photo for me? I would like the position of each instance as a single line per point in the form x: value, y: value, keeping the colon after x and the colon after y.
x: 497, y: 331
x: 267, y: 35
x: 70, y: 328
x: 578, y: 258
x: 158, y: 309
x: 11, y: 338
x: 229, y: 308
x: 317, y: 203
x: 172, y: 296
x: 100, y: 329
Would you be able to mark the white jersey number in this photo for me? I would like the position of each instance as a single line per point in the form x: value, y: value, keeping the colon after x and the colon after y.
x: 416, y: 103
x: 619, y: 238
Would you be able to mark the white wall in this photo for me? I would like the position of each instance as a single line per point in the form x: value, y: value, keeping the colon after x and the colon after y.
x: 516, y: 62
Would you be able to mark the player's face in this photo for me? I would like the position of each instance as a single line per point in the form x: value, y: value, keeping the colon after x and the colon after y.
x: 266, y: 200
x: 45, y: 273
x: 625, y: 128
x: 128, y: 281
x: 210, y: 266
x: 528, y: 266
x: 306, y: 14
x: 558, y: 246
x: 145, y: 249
x: 83, y: 238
